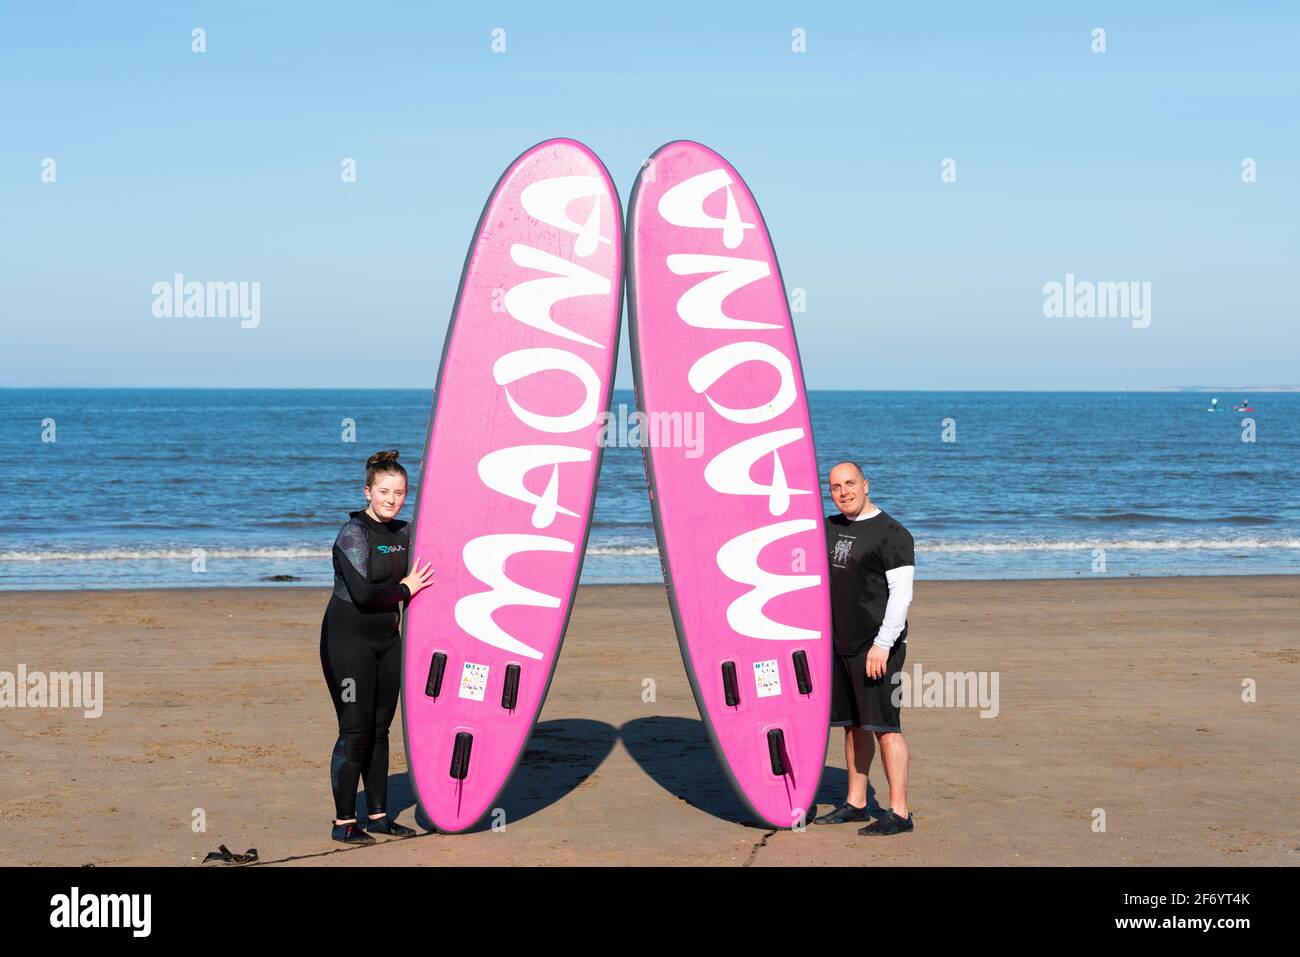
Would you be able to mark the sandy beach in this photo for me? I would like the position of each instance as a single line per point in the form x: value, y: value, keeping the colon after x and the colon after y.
x: 1119, y: 695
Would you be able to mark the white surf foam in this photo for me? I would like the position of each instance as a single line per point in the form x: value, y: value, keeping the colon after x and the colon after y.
x: 160, y: 554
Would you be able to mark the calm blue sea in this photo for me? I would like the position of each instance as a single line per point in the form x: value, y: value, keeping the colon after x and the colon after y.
x: 138, y: 484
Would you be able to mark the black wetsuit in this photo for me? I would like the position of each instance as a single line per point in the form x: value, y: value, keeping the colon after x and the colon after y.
x: 361, y: 654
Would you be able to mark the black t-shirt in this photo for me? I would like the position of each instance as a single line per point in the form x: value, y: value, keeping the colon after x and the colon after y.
x: 860, y: 553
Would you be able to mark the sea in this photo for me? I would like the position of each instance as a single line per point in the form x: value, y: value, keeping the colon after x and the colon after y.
x: 163, y: 488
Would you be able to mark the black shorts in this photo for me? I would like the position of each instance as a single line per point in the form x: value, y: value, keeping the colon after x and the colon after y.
x: 860, y: 702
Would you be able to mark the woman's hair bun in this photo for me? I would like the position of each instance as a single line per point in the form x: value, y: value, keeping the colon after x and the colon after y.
x: 382, y: 463
x: 386, y: 457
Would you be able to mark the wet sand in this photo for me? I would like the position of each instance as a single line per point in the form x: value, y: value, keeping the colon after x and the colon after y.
x: 1116, y: 697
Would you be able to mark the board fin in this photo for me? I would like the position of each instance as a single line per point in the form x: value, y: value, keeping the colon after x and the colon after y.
x: 438, y: 665
x: 510, y: 691
x: 729, y: 686
x: 460, y: 755
x: 776, y: 751
x: 801, y: 675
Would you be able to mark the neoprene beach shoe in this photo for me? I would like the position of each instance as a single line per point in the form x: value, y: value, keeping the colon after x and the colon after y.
x: 891, y: 823
x: 386, y: 825
x: 844, y: 814
x: 351, y: 834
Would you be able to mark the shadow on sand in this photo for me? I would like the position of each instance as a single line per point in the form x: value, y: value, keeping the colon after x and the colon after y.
x: 559, y: 757
x: 674, y: 752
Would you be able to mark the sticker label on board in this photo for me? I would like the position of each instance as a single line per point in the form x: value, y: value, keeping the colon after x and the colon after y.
x: 767, y: 678
x: 473, y: 681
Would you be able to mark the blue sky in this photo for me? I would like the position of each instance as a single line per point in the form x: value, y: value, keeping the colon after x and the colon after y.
x: 1115, y: 166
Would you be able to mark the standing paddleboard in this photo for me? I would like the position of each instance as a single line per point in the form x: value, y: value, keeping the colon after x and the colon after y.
x: 738, y: 516
x: 508, y: 478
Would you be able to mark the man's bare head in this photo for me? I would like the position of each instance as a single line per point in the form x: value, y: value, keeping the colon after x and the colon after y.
x: 849, y: 488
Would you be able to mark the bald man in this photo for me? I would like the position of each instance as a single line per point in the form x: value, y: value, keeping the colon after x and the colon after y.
x: 872, y: 563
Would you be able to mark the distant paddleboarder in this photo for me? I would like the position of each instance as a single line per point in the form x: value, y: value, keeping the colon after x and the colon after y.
x: 872, y: 564
x: 361, y: 646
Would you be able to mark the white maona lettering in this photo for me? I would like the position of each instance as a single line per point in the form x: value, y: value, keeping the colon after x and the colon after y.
x: 547, y: 201
x: 503, y: 470
x: 709, y: 368
x: 524, y: 362
x: 738, y: 560
x: 485, y: 559
x: 701, y: 305
x: 530, y: 302
x: 683, y: 205
x: 728, y: 472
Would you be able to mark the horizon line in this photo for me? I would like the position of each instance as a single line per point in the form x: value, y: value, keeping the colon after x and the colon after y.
x: 1148, y: 390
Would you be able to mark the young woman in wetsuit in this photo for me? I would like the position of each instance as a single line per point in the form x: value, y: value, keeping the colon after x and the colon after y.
x: 361, y: 646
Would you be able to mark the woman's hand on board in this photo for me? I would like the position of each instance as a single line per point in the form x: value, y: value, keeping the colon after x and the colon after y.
x: 420, y: 578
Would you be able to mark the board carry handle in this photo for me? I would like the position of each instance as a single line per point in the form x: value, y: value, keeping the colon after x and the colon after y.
x: 433, y: 687
x: 730, y: 689
x: 801, y: 676
x: 460, y: 755
x: 775, y: 750
x: 510, y: 692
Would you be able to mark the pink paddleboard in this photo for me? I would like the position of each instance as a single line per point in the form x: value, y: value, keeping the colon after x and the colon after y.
x: 738, y: 516
x: 508, y: 478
